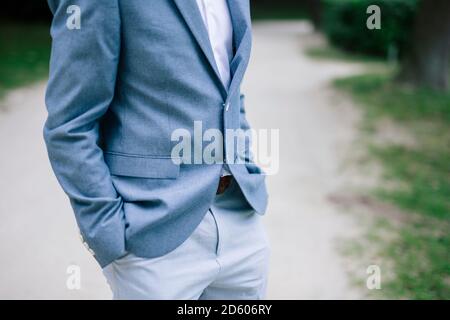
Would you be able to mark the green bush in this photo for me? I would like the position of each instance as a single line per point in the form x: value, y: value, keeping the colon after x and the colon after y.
x: 344, y: 23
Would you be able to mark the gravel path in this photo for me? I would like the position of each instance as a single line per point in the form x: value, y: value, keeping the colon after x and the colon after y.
x: 285, y: 90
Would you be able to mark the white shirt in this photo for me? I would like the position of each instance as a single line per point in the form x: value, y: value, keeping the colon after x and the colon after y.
x: 217, y: 19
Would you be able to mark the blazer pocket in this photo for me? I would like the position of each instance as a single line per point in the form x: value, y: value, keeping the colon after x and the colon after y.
x: 154, y: 167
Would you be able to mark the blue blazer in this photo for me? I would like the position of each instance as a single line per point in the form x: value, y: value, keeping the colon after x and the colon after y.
x: 120, y: 84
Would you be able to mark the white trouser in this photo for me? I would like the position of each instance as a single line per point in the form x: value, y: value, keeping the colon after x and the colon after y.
x: 226, y: 257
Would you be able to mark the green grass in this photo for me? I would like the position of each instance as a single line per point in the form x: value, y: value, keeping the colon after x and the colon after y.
x: 24, y: 54
x: 422, y: 181
x: 420, y: 256
x: 383, y: 97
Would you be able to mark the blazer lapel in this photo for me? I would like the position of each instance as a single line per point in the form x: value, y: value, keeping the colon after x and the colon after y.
x: 242, y: 42
x: 191, y: 14
x: 239, y: 21
x: 241, y: 37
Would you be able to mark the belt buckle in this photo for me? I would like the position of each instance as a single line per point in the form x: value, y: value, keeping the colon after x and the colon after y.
x: 224, y: 183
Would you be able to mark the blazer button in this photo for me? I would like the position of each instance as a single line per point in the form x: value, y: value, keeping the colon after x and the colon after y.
x: 226, y: 106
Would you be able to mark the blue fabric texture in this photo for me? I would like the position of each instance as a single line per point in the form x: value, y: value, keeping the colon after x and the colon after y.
x: 225, y: 258
x: 119, y: 86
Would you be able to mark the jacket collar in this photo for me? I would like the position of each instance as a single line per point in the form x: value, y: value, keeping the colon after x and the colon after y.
x: 191, y: 14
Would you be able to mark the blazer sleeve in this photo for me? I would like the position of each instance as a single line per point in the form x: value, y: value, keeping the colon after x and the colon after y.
x: 83, y: 70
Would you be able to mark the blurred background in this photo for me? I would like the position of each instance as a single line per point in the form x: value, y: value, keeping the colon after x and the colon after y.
x: 363, y: 191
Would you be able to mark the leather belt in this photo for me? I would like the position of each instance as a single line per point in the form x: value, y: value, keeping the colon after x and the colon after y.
x: 224, y: 183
